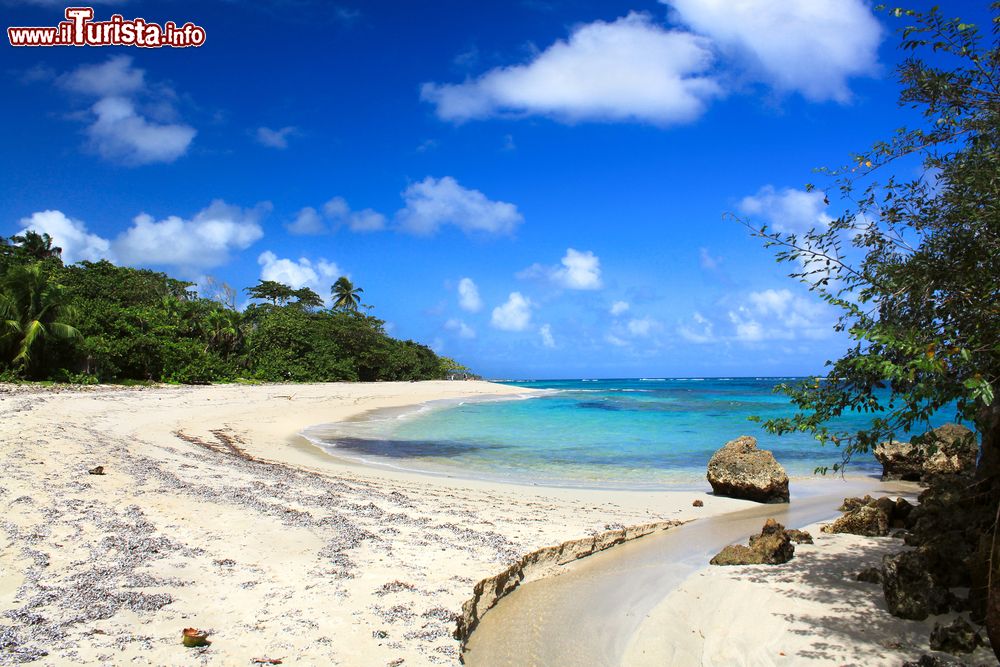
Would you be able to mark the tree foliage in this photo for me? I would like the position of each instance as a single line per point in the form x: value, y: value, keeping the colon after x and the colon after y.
x: 345, y: 295
x: 913, y: 263
x: 95, y: 321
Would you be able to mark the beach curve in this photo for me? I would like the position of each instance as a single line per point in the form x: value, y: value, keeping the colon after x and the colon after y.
x: 213, y: 513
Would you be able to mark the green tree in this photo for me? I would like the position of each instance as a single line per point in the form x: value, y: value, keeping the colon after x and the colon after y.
x: 345, y: 295
x: 36, y: 246
x: 224, y: 331
x: 33, y: 310
x: 270, y: 290
x: 913, y: 265
x: 306, y: 298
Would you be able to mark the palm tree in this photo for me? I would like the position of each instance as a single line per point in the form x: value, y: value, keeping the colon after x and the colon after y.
x: 345, y: 294
x: 224, y: 332
x: 36, y: 246
x: 32, y: 310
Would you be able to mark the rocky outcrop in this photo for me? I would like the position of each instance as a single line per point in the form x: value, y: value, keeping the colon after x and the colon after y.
x: 900, y: 460
x: 868, y: 520
x: 538, y: 564
x: 851, y: 504
x: 772, y: 546
x: 910, y: 590
x: 799, y: 536
x: 951, y: 449
x: 946, y: 526
x: 740, y: 470
x: 956, y: 637
x: 871, y: 517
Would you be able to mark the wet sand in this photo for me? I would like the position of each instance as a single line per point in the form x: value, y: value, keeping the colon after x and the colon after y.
x: 593, y: 612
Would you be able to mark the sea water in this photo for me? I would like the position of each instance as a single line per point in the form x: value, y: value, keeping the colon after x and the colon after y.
x: 644, y: 433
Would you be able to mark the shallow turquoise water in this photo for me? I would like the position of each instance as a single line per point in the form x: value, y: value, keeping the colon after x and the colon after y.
x: 608, y: 433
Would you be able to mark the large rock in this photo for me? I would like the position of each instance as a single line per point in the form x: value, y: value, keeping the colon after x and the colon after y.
x: 910, y: 591
x: 740, y: 470
x: 900, y: 460
x: 947, y: 450
x: 772, y: 546
x: 951, y: 449
x: 872, y: 517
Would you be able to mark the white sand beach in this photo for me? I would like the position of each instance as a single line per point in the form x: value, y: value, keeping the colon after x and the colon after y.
x: 212, y: 513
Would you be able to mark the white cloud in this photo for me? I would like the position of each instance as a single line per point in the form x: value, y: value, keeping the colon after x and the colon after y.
x: 545, y: 331
x: 580, y: 270
x: 616, y: 341
x: 788, y: 211
x: 317, y: 276
x: 71, y: 235
x: 747, y: 328
x: 799, y: 315
x: 514, y: 314
x: 366, y: 220
x: 618, y: 308
x: 308, y: 221
x: 577, y: 271
x: 339, y: 214
x: 433, y: 203
x: 468, y: 295
x: 794, y: 45
x: 112, y: 78
x: 766, y: 315
x: 628, y: 69
x: 461, y: 328
x: 625, y: 334
x: 274, y: 138
x: 204, y: 241
x: 118, y: 132
x: 642, y: 327
x: 701, y: 331
x: 706, y: 260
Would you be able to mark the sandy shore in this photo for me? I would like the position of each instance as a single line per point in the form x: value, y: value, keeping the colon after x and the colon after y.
x: 213, y: 514
x: 809, y: 611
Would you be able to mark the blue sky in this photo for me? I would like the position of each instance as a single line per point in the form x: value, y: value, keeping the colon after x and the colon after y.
x: 536, y: 189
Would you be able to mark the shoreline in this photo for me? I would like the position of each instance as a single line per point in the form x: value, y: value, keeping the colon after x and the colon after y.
x: 246, y: 530
x: 213, y: 513
x: 689, y: 482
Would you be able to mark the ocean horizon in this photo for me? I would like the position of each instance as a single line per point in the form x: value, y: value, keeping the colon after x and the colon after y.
x: 623, y: 433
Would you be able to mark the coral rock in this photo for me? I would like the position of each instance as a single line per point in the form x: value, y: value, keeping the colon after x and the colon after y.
x: 740, y: 470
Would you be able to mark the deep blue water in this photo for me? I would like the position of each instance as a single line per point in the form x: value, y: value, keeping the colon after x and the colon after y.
x: 646, y: 433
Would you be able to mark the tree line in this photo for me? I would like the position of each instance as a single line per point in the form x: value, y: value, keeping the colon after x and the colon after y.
x: 97, y: 322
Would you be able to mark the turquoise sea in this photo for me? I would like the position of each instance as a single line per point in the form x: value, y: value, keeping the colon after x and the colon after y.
x: 638, y: 433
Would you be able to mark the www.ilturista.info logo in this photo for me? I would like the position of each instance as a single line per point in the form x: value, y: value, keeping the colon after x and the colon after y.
x: 79, y: 29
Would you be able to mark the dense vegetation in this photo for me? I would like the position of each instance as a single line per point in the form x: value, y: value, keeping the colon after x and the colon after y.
x: 914, y: 267
x: 97, y: 322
